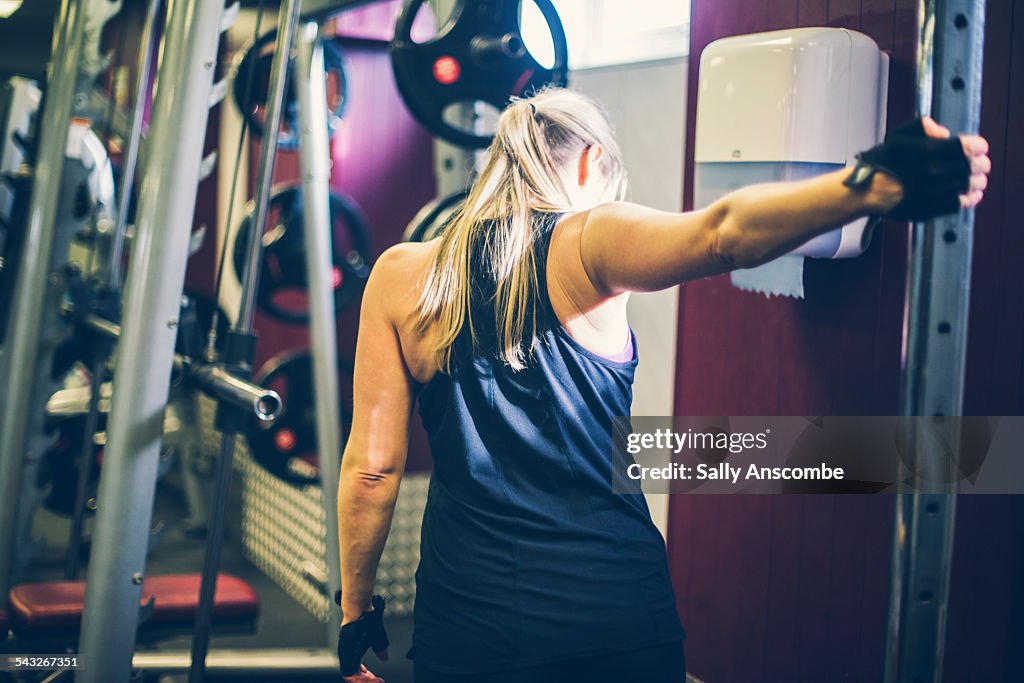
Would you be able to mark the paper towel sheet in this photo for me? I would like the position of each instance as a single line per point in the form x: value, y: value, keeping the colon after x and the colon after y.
x: 782, y: 277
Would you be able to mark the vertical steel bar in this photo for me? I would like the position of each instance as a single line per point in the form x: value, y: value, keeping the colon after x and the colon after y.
x: 131, y: 155
x: 934, y: 356
x: 287, y: 20
x: 86, y: 456
x: 314, y: 160
x: 19, y: 358
x: 113, y: 270
x: 211, y: 558
x: 286, y: 23
x: 146, y: 346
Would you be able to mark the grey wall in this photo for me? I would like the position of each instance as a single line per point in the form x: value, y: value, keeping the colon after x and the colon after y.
x: 647, y: 105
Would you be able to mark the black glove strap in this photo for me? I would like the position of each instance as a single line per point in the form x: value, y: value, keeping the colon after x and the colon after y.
x: 356, y: 637
x: 933, y: 172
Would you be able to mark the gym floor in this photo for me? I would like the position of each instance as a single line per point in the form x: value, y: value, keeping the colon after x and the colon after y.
x: 283, y: 623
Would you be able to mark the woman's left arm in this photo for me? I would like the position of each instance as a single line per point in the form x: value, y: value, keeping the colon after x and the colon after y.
x: 374, y: 458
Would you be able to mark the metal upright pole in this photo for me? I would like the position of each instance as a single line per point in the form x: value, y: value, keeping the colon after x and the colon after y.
x: 314, y: 160
x: 131, y: 155
x: 20, y: 355
x: 934, y: 357
x: 286, y: 22
x: 110, y: 299
x: 146, y: 347
x: 241, y: 341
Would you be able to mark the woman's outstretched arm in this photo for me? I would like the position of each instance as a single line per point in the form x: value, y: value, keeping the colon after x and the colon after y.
x: 625, y: 247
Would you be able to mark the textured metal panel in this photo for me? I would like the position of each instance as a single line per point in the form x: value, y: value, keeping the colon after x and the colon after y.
x: 283, y: 530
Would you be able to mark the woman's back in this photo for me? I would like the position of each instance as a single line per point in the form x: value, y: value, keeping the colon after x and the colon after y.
x: 527, y: 556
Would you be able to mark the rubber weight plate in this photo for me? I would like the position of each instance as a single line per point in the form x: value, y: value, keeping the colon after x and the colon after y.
x: 283, y: 284
x: 287, y: 448
x: 431, y: 220
x: 478, y: 55
x: 259, y: 57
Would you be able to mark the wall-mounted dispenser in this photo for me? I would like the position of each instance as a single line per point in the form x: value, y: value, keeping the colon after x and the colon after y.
x: 787, y: 105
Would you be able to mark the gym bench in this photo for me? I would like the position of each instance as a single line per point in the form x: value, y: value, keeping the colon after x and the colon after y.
x: 49, y: 613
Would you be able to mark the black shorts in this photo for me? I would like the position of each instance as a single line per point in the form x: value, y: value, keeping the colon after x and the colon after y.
x: 656, y: 664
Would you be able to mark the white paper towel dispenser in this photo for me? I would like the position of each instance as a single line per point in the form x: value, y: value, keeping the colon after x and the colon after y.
x: 788, y: 105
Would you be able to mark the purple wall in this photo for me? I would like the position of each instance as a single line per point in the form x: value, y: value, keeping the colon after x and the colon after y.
x: 796, y: 588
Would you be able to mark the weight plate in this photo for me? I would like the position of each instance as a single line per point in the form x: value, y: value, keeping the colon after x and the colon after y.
x: 287, y: 448
x: 283, y: 285
x: 254, y: 110
x: 477, y: 56
x: 431, y: 220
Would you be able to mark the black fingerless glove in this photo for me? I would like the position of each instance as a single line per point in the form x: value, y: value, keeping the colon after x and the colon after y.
x: 933, y: 172
x: 357, y: 636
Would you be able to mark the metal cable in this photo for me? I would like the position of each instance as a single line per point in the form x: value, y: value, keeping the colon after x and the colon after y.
x: 250, y: 77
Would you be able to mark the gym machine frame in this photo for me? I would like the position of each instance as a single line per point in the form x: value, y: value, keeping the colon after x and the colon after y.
x: 148, y: 331
x: 950, y: 49
x: 314, y: 144
x: 109, y: 296
x: 315, y: 163
x: 69, y: 82
x: 108, y: 636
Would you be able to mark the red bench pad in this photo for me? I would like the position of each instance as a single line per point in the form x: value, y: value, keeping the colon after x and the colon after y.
x: 55, y: 607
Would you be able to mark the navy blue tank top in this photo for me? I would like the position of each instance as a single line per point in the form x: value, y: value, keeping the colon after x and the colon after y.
x: 526, y: 554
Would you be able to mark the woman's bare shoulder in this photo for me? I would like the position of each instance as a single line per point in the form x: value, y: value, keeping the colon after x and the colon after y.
x: 393, y: 292
x: 401, y: 268
x: 406, y: 254
x: 396, y: 280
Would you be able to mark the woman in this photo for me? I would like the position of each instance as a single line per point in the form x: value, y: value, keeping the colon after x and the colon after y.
x: 511, y: 331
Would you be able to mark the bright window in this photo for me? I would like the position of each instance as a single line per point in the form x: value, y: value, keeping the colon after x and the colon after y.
x: 8, y: 7
x: 603, y: 32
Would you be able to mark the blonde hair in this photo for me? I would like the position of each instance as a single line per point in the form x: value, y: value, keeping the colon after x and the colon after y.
x: 537, y: 139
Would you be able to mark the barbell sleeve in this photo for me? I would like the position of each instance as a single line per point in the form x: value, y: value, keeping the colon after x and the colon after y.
x: 212, y: 379
x: 215, y: 380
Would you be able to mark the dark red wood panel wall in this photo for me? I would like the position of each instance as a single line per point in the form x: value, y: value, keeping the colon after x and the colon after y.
x: 995, y: 362
x: 796, y: 588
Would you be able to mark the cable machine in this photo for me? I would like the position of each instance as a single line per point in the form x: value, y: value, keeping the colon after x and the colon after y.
x: 950, y: 47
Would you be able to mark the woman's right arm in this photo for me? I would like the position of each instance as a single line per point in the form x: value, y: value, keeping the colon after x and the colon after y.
x: 625, y: 247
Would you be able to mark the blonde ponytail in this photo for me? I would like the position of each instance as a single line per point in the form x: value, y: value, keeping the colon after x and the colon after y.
x: 536, y: 139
